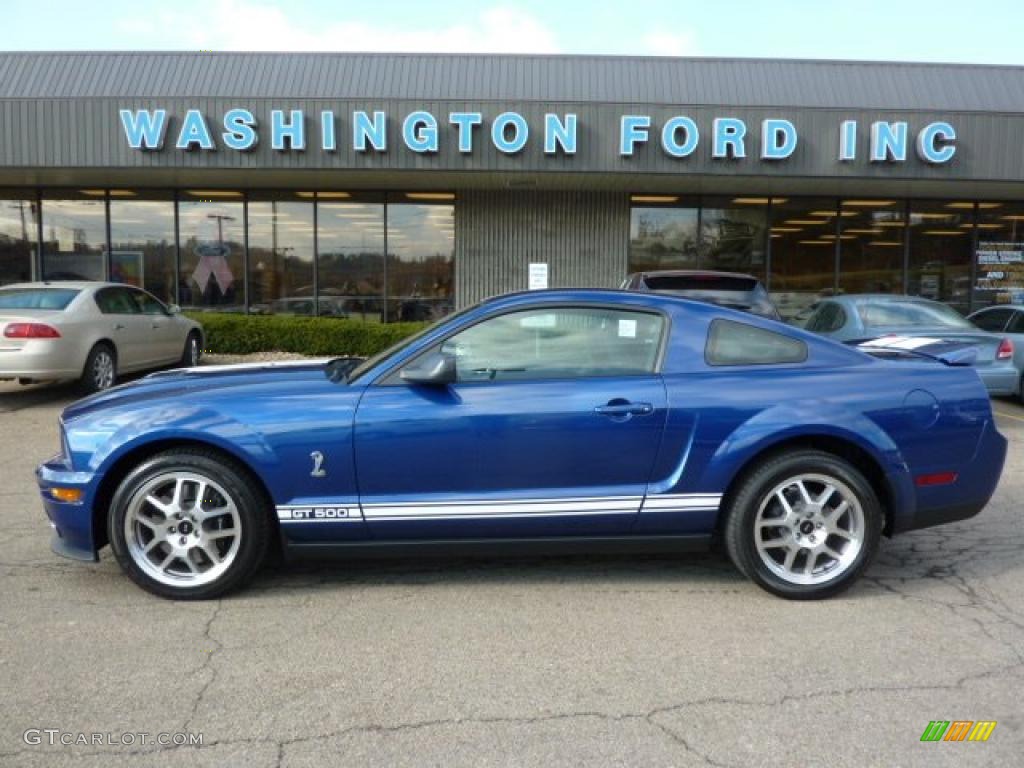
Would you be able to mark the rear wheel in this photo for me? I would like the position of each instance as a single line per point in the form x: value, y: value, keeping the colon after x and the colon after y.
x: 100, y: 371
x: 805, y: 525
x: 187, y: 525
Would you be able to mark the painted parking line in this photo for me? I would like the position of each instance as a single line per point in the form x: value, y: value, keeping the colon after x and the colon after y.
x: 1006, y: 415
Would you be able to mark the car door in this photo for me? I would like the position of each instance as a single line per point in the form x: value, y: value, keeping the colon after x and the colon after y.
x: 167, y: 343
x: 550, y: 429
x: 125, y: 325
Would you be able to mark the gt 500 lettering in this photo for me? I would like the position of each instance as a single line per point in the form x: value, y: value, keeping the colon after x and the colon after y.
x: 314, y: 513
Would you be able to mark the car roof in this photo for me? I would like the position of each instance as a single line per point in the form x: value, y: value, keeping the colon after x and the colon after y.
x: 602, y: 295
x: 694, y: 273
x: 885, y: 297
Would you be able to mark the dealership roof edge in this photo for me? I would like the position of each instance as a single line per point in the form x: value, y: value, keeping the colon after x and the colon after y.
x: 581, y: 78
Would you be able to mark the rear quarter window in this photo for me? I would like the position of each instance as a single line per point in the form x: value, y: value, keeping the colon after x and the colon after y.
x: 733, y: 343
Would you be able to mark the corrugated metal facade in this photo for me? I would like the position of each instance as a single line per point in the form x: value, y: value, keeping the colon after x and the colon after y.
x: 583, y: 236
x: 594, y: 79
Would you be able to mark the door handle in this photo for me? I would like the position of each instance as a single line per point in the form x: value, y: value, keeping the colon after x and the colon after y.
x: 156, y: 325
x: 620, y: 408
x: 118, y: 326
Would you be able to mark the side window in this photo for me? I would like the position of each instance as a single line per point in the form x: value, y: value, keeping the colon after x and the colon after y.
x: 1017, y: 324
x: 732, y: 343
x: 147, y: 304
x: 116, y: 301
x: 993, y: 320
x: 570, y: 342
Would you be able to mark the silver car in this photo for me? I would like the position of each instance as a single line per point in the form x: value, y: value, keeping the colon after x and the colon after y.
x: 856, y: 318
x: 1007, y: 321
x: 90, y: 331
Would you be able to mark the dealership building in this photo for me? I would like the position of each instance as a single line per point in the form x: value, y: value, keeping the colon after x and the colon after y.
x: 401, y: 187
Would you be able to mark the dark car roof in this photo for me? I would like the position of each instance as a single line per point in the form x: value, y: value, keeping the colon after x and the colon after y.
x: 694, y: 272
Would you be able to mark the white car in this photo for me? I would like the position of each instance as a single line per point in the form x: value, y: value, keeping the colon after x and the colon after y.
x: 90, y: 331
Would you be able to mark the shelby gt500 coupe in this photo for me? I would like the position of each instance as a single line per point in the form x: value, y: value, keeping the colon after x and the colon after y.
x: 551, y: 420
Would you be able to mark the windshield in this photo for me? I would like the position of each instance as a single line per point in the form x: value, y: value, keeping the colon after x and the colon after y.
x: 372, y: 362
x: 908, y: 314
x: 36, y: 298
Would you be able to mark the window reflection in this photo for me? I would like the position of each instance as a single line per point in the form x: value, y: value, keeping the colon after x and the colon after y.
x: 733, y: 234
x: 871, y: 246
x: 803, y: 252
x: 74, y: 239
x: 1000, y: 254
x: 281, y: 257
x: 421, y: 258
x: 351, y: 259
x: 940, y: 252
x: 18, y: 234
x: 212, y: 248
x: 663, y: 237
x: 143, y: 254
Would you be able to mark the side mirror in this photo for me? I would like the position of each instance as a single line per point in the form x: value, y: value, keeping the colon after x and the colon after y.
x: 434, y: 369
x: 174, y: 309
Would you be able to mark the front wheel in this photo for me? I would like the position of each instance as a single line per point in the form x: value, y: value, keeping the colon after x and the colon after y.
x: 186, y: 524
x: 805, y: 525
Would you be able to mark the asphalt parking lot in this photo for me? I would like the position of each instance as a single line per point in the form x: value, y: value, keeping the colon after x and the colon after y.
x: 655, y: 661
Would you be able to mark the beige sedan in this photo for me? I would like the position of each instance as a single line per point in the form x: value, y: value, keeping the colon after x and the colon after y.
x: 90, y: 331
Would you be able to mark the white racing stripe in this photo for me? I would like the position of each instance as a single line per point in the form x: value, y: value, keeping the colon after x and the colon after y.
x: 349, y: 512
x: 601, y: 505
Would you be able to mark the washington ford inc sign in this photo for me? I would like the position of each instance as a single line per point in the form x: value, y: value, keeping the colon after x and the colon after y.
x: 509, y: 132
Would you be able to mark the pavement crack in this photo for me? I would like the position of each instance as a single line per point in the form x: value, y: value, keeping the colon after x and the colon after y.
x: 207, y: 665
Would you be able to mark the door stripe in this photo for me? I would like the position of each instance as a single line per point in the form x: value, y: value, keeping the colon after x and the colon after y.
x: 349, y: 512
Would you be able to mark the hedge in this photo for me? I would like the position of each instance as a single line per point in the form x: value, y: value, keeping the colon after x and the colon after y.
x: 317, y: 336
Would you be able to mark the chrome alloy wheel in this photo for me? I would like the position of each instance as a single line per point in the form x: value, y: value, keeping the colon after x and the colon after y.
x: 182, y: 529
x: 809, y: 529
x: 193, y: 351
x: 103, y: 372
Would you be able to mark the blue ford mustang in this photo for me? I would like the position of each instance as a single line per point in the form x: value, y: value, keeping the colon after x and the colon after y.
x: 553, y: 420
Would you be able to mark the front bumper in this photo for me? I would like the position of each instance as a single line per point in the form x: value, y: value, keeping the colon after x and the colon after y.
x: 71, y: 522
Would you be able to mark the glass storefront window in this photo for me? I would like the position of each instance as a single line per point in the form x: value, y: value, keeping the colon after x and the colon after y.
x: 940, y: 251
x: 142, y: 238
x: 733, y: 234
x: 74, y: 237
x: 663, y: 236
x: 802, y: 252
x: 212, y: 250
x: 1000, y: 254
x: 421, y: 259
x: 350, y: 257
x: 281, y: 257
x: 18, y: 235
x: 871, y: 246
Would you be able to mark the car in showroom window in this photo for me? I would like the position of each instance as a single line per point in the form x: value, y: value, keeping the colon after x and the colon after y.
x: 541, y: 421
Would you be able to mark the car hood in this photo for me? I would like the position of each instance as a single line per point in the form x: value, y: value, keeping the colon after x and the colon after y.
x: 219, y: 380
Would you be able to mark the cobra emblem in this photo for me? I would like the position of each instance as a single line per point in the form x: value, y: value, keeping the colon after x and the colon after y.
x: 318, y: 465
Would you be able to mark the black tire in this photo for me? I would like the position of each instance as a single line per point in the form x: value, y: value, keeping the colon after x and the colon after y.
x: 254, y: 519
x: 94, y: 374
x: 756, y: 488
x: 192, y: 352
